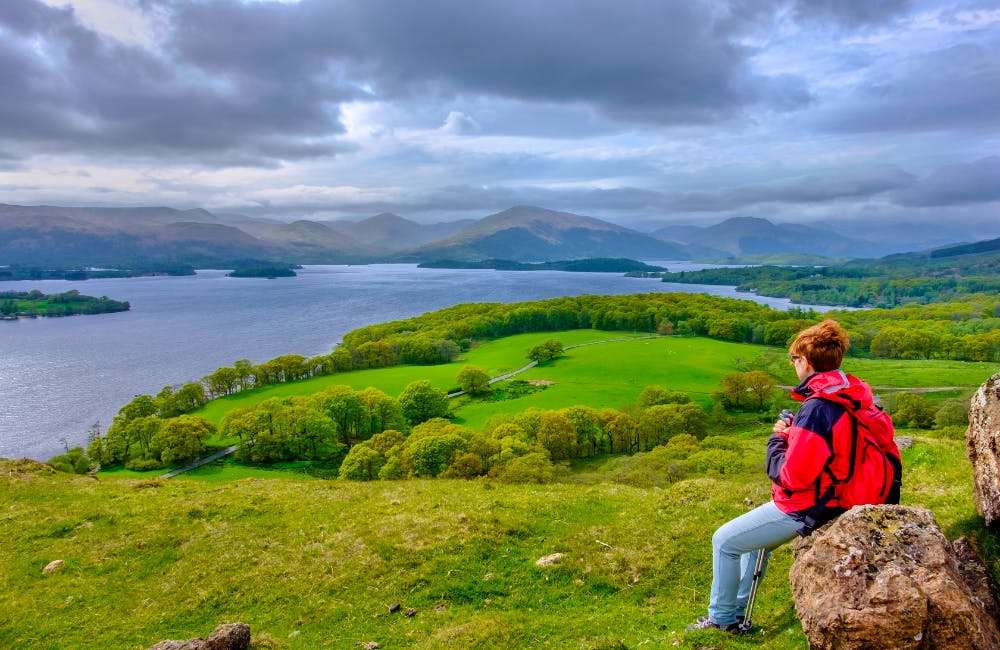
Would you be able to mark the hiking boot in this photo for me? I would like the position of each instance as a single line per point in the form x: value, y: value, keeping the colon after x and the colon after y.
x: 705, y: 623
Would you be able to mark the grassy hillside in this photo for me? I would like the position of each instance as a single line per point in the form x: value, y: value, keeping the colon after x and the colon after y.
x: 319, y: 564
x: 610, y: 374
x: 322, y: 563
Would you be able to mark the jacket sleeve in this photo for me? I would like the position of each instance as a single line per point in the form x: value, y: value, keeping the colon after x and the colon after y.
x: 807, y: 451
x: 777, y: 447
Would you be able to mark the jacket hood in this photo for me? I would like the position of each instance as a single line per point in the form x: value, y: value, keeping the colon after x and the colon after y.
x: 834, y: 382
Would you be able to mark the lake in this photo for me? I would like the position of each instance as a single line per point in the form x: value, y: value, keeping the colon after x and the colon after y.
x: 60, y: 375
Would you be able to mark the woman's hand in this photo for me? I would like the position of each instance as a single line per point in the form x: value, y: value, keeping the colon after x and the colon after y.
x: 783, y: 423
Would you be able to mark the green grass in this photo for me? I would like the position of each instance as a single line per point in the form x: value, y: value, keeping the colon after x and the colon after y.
x: 494, y: 357
x: 610, y: 374
x: 894, y: 372
x: 605, y: 375
x: 317, y: 564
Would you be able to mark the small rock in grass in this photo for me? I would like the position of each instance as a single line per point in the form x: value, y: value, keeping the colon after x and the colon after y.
x: 54, y: 565
x: 410, y: 612
x: 549, y: 560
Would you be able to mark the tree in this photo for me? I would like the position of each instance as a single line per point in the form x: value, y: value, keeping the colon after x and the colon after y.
x: 694, y: 420
x: 761, y: 387
x: 952, y: 412
x: 468, y: 465
x: 658, y: 424
x: 473, y: 380
x: 622, y: 431
x: 74, y: 461
x: 181, y: 439
x: 420, y: 402
x: 533, y: 467
x: 556, y: 434
x: 653, y: 395
x: 590, y: 437
x: 345, y: 407
x: 223, y: 381
x: 362, y: 463
x: 913, y: 410
x: 140, y: 406
x: 733, y: 389
x: 381, y: 412
x: 545, y: 351
x: 430, y: 455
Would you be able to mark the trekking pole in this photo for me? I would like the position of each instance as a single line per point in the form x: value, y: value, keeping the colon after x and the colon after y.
x: 758, y: 568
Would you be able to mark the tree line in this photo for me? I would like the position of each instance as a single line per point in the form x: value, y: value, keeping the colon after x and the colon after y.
x: 882, y: 285
x: 965, y: 329
x: 370, y: 435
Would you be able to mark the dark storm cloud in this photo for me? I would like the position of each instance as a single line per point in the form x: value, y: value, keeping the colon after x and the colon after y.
x: 232, y: 79
x: 975, y: 182
x: 957, y: 88
x: 79, y: 91
x: 668, y: 63
x: 850, y: 13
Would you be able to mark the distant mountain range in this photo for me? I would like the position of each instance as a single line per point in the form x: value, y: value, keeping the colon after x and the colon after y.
x: 528, y: 234
x: 73, y: 236
x: 745, y: 236
x: 391, y: 232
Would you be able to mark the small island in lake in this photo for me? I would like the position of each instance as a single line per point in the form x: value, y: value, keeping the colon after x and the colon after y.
x: 589, y: 265
x: 15, y: 304
x: 21, y: 272
x: 265, y: 271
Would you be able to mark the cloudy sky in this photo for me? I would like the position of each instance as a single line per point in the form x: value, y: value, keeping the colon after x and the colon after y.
x: 638, y: 112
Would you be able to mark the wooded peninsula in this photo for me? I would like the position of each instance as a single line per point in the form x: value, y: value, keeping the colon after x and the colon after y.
x: 15, y: 304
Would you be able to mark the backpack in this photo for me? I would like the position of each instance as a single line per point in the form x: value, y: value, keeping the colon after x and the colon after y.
x: 874, y: 471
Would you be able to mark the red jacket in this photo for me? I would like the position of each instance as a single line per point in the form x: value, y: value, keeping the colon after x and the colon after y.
x: 796, y: 459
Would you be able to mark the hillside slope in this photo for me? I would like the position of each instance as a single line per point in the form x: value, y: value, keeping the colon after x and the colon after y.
x: 391, y: 232
x: 322, y: 564
x: 56, y: 236
x: 532, y: 234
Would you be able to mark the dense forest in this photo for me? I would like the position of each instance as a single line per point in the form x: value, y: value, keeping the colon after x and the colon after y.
x: 14, y: 304
x: 922, y: 278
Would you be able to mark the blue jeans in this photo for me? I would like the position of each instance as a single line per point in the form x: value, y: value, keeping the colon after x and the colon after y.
x: 735, y: 546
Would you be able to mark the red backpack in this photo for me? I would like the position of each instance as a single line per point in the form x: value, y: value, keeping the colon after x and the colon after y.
x: 874, y: 470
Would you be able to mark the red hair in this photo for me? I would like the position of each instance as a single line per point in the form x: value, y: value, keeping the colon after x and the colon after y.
x: 823, y: 345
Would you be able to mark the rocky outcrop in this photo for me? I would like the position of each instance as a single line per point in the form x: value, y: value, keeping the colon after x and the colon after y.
x: 982, y: 440
x: 886, y: 577
x: 228, y: 636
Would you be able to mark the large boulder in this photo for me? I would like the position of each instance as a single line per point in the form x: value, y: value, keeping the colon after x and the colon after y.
x: 982, y: 440
x: 886, y: 577
x: 228, y: 636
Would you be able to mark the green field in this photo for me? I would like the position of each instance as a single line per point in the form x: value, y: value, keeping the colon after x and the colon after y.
x: 317, y: 564
x: 608, y: 374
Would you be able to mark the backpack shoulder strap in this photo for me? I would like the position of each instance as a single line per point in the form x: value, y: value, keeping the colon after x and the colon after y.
x: 812, y: 516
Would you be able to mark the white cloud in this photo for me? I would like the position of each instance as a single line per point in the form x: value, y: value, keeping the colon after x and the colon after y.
x: 458, y: 123
x: 124, y: 20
